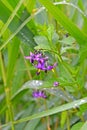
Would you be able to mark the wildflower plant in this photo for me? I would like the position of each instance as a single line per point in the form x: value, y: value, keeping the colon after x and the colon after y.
x: 43, y: 65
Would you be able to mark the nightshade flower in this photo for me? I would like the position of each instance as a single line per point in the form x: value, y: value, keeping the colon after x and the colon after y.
x: 40, y: 62
x: 56, y: 84
x: 39, y: 94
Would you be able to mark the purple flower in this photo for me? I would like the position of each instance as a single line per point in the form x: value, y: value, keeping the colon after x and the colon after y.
x: 45, y: 67
x: 40, y: 62
x: 56, y: 84
x: 39, y: 94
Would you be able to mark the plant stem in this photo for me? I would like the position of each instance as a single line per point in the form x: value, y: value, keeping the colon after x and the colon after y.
x: 9, y: 106
x: 28, y: 71
x: 7, y: 92
x: 48, y: 118
x: 68, y: 123
x: 2, y: 69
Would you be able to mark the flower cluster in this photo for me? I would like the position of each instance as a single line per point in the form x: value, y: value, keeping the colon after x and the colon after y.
x: 38, y: 94
x: 40, y: 61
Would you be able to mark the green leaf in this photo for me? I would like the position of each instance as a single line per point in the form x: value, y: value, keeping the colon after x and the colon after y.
x: 77, y: 126
x: 50, y: 32
x: 68, y: 40
x: 31, y: 125
x: 12, y: 59
x: 84, y: 127
x: 63, y: 118
x: 42, y: 42
x: 80, y: 37
x: 54, y: 110
x: 7, y: 4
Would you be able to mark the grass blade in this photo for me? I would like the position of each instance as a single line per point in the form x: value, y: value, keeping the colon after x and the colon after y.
x: 12, y: 59
x: 19, y: 29
x: 52, y: 111
x: 11, y: 17
x: 25, y: 34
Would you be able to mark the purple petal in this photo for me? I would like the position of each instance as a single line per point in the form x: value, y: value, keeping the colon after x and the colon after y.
x: 49, y: 67
x: 35, y: 94
x: 39, y: 94
x: 56, y: 84
x: 27, y: 57
x: 55, y: 64
x: 32, y: 54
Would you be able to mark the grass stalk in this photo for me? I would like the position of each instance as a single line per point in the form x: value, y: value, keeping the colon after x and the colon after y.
x: 2, y: 69
x: 9, y: 106
x: 27, y: 66
x: 7, y: 92
x: 11, y: 17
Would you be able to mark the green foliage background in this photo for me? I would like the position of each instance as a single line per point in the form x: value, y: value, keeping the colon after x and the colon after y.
x: 59, y: 29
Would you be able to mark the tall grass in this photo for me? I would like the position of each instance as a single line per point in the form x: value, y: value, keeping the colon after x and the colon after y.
x: 55, y: 30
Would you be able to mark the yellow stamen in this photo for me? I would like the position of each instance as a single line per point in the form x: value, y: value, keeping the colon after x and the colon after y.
x: 34, y: 11
x: 39, y: 70
x: 53, y: 70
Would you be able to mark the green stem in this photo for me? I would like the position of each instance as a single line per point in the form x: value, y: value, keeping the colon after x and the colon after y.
x: 7, y: 92
x: 27, y: 66
x: 68, y: 122
x: 9, y: 106
x: 48, y: 118
x: 2, y: 69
